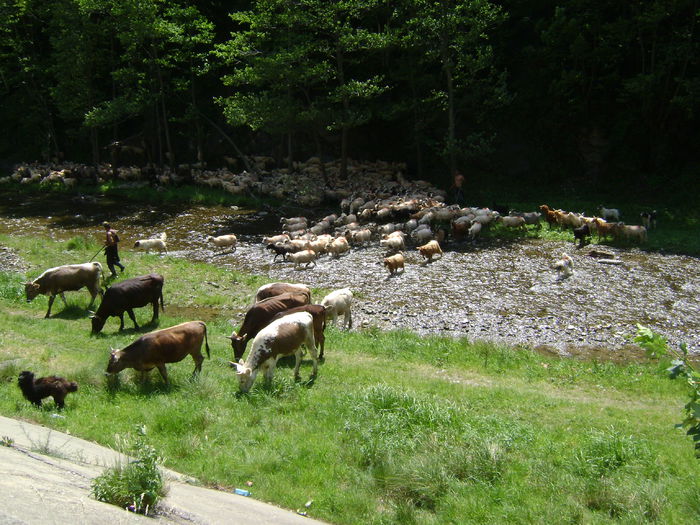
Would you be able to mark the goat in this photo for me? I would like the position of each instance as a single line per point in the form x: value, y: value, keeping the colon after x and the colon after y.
x: 153, y: 244
x: 429, y: 250
x: 394, y: 262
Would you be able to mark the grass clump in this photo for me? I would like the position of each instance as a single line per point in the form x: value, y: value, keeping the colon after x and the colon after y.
x: 138, y: 485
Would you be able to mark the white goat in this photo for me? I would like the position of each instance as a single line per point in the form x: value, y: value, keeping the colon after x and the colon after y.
x: 336, y: 303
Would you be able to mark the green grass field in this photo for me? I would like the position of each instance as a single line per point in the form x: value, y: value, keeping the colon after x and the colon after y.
x: 397, y: 428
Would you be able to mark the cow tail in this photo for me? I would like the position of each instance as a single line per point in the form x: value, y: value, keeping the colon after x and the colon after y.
x: 162, y: 308
x: 206, y: 341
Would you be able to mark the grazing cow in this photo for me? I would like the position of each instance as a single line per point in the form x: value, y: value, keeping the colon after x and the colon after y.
x: 394, y: 262
x: 259, y: 315
x: 274, y: 289
x: 126, y: 295
x: 169, y: 345
x: 153, y: 244
x: 429, y: 250
x: 68, y: 278
x: 318, y: 312
x: 280, y: 338
x: 339, y: 302
x: 35, y: 389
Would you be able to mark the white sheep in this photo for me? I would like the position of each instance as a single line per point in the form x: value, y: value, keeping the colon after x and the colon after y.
x: 224, y: 241
x: 153, y: 244
x: 302, y: 257
x: 336, y: 303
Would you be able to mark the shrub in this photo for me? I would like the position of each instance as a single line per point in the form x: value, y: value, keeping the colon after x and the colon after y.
x: 136, y: 486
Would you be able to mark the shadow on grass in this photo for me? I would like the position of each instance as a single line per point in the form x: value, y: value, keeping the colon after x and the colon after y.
x: 70, y: 312
x: 142, y: 384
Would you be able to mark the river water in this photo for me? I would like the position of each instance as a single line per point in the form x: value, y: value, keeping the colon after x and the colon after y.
x: 502, y: 290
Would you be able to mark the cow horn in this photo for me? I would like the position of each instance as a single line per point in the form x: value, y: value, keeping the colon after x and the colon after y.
x: 239, y: 367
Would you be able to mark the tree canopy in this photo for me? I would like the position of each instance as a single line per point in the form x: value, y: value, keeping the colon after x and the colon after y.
x: 540, y: 91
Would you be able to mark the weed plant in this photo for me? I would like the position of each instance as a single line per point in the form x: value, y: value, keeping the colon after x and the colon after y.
x: 397, y: 428
x: 137, y: 485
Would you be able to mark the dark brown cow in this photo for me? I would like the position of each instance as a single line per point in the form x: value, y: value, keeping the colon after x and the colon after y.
x: 169, y: 345
x: 126, y: 295
x: 274, y: 289
x: 318, y: 312
x: 259, y: 316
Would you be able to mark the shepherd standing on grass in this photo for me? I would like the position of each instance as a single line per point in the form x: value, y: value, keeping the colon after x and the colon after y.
x: 112, y: 249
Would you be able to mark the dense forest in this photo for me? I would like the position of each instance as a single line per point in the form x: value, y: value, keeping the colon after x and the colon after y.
x: 539, y: 92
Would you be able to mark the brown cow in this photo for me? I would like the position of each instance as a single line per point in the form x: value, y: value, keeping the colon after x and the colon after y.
x: 318, y: 312
x: 273, y: 289
x: 259, y: 315
x: 169, y: 345
x: 68, y: 278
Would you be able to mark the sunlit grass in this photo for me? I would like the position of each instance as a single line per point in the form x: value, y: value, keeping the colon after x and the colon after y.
x: 397, y: 428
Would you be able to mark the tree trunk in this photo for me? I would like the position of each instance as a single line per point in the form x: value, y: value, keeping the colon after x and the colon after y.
x: 345, y: 113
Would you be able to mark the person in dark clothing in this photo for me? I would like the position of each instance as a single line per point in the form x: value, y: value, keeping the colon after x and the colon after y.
x: 112, y: 249
x: 457, y: 191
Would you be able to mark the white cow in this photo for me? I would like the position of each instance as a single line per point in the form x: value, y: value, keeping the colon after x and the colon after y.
x: 282, y: 337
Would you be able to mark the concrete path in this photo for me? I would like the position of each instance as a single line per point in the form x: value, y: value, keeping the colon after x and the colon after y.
x: 45, y: 478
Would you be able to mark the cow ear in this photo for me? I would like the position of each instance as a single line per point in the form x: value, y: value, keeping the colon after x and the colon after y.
x: 243, y: 336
